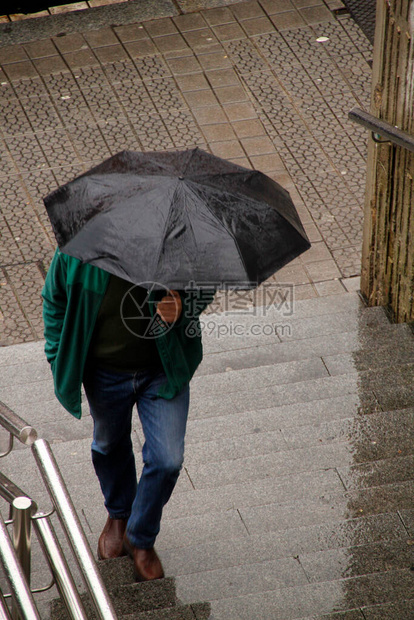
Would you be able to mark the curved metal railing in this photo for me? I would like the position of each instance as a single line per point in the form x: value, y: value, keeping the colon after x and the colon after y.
x: 15, y: 556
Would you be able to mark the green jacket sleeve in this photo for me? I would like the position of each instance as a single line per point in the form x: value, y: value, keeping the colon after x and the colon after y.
x: 54, y: 305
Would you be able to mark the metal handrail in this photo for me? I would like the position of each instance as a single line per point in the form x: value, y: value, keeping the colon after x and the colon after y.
x: 59, y: 568
x: 382, y: 128
x: 16, y: 425
x: 70, y: 522
x: 22, y: 596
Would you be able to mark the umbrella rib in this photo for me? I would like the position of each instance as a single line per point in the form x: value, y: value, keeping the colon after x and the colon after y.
x: 167, y: 220
x: 207, y: 182
x: 229, y: 231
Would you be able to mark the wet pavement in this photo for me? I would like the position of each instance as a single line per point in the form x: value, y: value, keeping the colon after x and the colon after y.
x: 296, y: 497
x: 364, y: 15
x: 295, y: 501
x: 252, y: 82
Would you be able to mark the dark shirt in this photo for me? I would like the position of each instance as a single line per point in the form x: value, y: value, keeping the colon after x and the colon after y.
x: 120, y: 340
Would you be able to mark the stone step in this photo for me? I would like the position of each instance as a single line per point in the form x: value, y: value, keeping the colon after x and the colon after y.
x: 385, y: 341
x: 373, y: 430
x: 278, y: 573
x: 262, y: 377
x: 389, y: 611
x: 147, y: 596
x: 385, y: 388
x: 274, y: 516
x: 352, y: 614
x: 387, y: 474
x: 273, y: 305
x: 213, y: 555
x: 117, y: 572
x: 127, y: 598
x: 223, y: 332
x: 195, y: 611
x: 319, y: 599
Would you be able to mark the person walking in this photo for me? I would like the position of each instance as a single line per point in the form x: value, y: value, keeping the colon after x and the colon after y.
x: 128, y: 347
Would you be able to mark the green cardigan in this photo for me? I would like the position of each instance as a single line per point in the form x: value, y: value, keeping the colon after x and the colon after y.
x: 72, y: 295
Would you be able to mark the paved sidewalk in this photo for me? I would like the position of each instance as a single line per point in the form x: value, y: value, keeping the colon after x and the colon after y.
x: 296, y: 497
x: 256, y: 83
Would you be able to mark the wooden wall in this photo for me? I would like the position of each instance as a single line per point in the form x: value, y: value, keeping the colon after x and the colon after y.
x: 388, y: 248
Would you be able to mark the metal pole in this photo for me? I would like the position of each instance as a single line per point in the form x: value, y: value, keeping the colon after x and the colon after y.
x: 9, y: 491
x: 21, y: 514
x: 4, y: 610
x: 59, y: 567
x: 16, y: 425
x: 70, y: 522
x: 14, y: 575
x: 385, y: 130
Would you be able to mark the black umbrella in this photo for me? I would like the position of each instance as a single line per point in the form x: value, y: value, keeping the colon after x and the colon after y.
x: 176, y: 218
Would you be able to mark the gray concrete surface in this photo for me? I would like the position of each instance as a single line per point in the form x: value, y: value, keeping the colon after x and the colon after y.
x: 295, y: 497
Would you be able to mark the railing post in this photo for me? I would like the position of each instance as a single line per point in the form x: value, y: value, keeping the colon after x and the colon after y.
x: 14, y: 575
x: 22, y: 542
x: 21, y: 515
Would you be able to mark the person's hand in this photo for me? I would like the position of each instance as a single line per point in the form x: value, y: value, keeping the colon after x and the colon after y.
x: 170, y: 307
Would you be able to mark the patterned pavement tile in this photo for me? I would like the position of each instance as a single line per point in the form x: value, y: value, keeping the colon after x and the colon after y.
x: 26, y: 151
x: 28, y: 88
x: 42, y: 114
x: 37, y: 185
x: 165, y: 95
x: 152, y: 132
x: 13, y: 120
x: 129, y: 88
x: 57, y: 147
x: 61, y: 84
x: 26, y: 281
x: 119, y: 135
x: 67, y: 173
x: 9, y: 247
x: 152, y: 67
x: 22, y: 220
x: 6, y: 163
x: 88, y: 141
x: 348, y: 260
x: 120, y: 72
x: 72, y: 108
x: 15, y: 328
x: 137, y: 105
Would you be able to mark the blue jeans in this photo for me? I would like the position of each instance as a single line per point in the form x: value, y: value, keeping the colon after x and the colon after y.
x: 112, y: 396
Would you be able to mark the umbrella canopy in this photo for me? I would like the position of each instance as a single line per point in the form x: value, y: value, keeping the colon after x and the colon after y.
x: 177, y: 218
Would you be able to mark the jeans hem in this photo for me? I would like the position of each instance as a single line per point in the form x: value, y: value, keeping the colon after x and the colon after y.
x: 122, y: 515
x: 132, y: 540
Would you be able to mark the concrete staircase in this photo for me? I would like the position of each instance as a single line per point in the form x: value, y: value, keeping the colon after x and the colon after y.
x: 295, y: 501
x: 155, y: 600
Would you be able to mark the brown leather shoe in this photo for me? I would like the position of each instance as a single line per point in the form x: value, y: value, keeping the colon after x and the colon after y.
x: 147, y: 564
x: 110, y: 544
